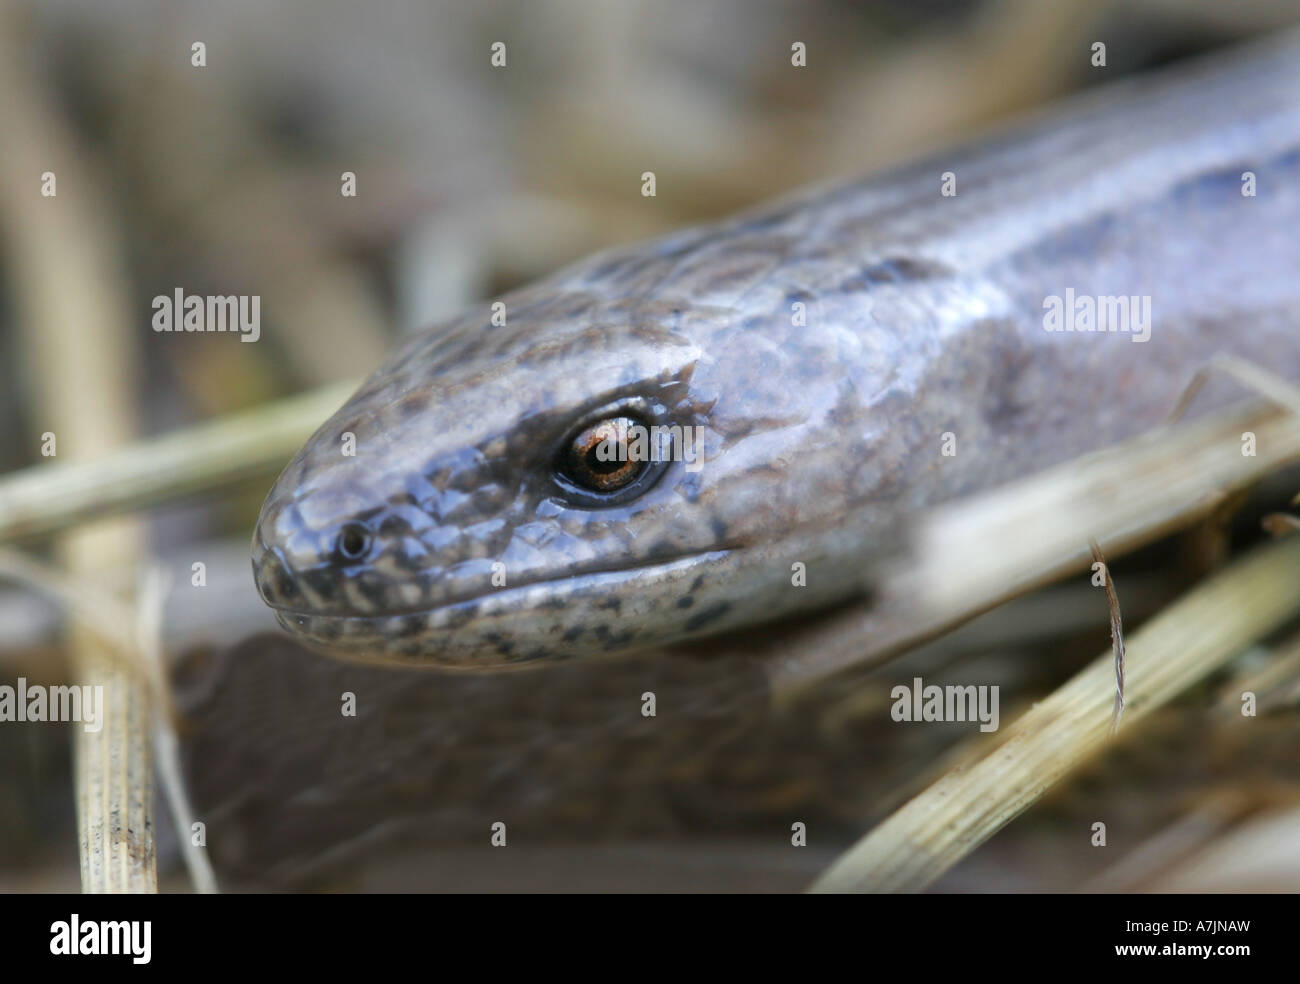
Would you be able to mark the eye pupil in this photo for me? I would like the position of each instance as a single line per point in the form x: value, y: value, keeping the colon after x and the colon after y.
x: 611, y: 467
x: 601, y: 459
x: 353, y: 542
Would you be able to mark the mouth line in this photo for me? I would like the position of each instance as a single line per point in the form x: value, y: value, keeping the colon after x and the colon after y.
x: 505, y: 594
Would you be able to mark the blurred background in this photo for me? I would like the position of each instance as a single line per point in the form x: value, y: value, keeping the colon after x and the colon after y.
x: 470, y: 179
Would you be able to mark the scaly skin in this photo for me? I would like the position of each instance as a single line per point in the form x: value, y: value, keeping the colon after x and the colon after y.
x: 924, y: 315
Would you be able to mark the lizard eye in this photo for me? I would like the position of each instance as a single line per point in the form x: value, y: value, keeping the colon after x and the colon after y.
x: 608, y: 462
x: 352, y: 543
x: 602, y: 458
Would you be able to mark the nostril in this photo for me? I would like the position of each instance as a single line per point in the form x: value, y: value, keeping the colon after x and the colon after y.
x: 286, y: 586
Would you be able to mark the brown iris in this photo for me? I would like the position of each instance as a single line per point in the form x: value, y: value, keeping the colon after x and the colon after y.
x: 598, y: 458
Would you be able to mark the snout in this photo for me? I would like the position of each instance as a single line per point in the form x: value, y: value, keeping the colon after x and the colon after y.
x: 274, y: 580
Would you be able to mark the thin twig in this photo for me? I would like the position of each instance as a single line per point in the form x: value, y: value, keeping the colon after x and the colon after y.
x: 1116, y: 633
x: 202, y: 459
x: 1272, y: 387
x: 152, y: 595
